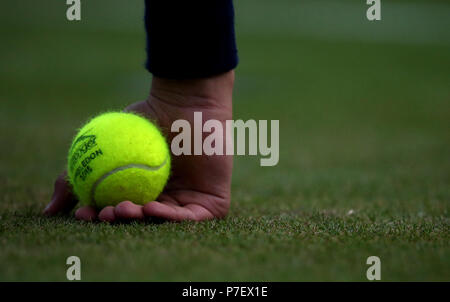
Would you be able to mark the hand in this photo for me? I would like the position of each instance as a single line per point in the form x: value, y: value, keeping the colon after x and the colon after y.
x: 199, y: 186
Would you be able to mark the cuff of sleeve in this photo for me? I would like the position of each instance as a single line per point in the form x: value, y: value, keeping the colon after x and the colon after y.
x: 190, y: 39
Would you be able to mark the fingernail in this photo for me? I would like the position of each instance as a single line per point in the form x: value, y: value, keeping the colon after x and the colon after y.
x: 48, y: 206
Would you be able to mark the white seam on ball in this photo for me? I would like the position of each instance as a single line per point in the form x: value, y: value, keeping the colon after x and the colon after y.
x: 118, y: 169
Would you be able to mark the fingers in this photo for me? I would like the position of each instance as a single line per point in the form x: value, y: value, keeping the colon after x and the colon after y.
x: 127, y: 210
x: 87, y: 213
x: 173, y: 212
x: 107, y: 214
x: 63, y: 200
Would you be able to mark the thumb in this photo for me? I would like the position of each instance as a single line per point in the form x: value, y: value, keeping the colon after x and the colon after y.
x: 63, y: 200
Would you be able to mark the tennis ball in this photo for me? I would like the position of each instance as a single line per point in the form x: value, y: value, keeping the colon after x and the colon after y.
x: 118, y: 156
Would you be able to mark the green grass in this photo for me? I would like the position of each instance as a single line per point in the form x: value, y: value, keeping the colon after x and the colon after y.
x: 364, y: 125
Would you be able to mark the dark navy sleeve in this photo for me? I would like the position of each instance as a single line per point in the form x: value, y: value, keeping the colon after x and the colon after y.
x: 190, y: 38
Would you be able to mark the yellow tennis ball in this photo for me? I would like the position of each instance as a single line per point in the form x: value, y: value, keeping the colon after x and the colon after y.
x: 118, y: 156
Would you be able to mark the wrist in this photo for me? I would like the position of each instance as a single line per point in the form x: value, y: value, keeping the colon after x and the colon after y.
x: 208, y: 92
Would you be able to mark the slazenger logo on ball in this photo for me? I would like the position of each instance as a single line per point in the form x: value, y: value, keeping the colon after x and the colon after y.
x: 85, y: 143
